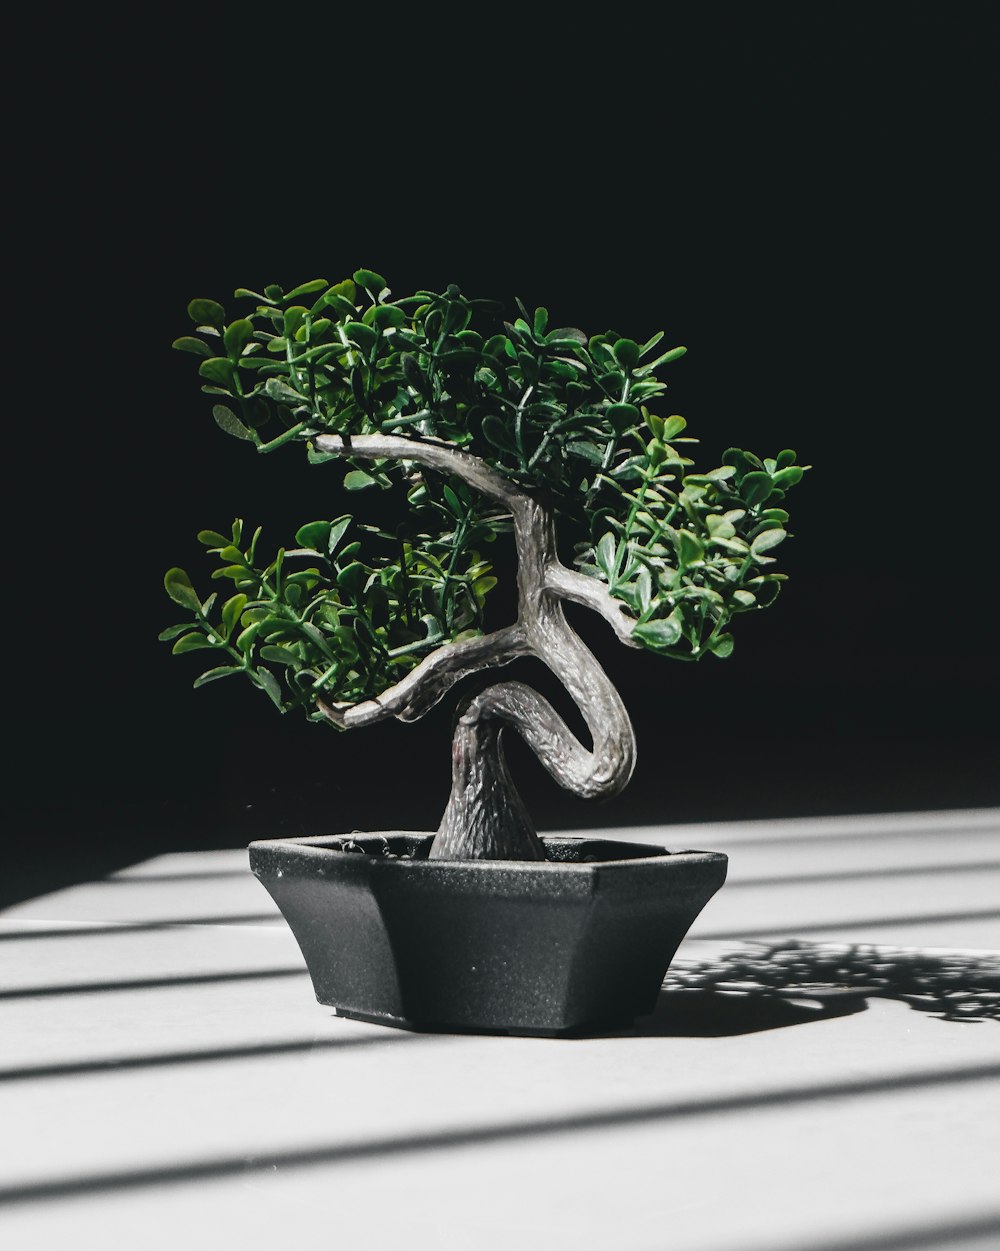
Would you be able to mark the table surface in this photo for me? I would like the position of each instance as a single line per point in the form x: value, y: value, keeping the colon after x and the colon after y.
x: 822, y: 1072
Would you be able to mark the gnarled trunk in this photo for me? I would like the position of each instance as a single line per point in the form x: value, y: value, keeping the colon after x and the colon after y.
x: 485, y: 818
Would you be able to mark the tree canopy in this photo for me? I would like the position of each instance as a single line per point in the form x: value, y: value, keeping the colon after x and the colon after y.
x: 563, y: 416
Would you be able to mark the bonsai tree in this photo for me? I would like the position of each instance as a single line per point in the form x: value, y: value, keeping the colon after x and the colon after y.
x: 487, y: 427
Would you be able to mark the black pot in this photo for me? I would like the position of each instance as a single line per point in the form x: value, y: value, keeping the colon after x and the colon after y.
x: 580, y: 940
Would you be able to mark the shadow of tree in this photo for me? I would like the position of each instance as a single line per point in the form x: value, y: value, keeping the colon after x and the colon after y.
x: 760, y: 986
x: 709, y: 1013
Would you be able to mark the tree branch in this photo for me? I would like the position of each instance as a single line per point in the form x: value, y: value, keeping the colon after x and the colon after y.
x: 440, y: 456
x: 430, y: 681
x: 581, y: 589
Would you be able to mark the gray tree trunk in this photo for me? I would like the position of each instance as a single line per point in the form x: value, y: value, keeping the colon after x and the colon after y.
x: 485, y: 817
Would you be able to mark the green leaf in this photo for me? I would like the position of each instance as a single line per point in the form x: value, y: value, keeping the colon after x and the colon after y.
x: 664, y: 632
x: 740, y: 458
x: 766, y: 540
x: 191, y: 643
x: 212, y: 538
x: 719, y: 527
x: 627, y: 353
x: 361, y: 334
x: 387, y: 315
x: 217, y: 369
x: 345, y: 291
x: 269, y: 683
x: 690, y: 548
x: 338, y: 529
x: 246, y: 637
x: 673, y: 426
x: 319, y: 458
x: 656, y: 424
x: 171, y: 632
x: 665, y: 359
x: 227, y: 420
x: 788, y: 477
x: 340, y: 305
x: 482, y: 586
x: 756, y: 486
x: 656, y: 452
x: 722, y: 646
x: 623, y: 417
x: 237, y: 335
x: 589, y: 451
x: 207, y: 313
x: 785, y: 458
x: 293, y: 319
x: 178, y: 587
x: 280, y: 655
x: 358, y: 480
x: 605, y: 555
x: 567, y: 335
x: 373, y: 283
x: 231, y: 611
x: 306, y: 288
x: 315, y: 534
x: 496, y: 432
x: 648, y: 346
x: 353, y: 577
x: 213, y: 675
x: 279, y: 390
x: 187, y: 343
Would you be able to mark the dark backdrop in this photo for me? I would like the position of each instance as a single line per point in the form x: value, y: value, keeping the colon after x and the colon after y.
x: 798, y: 193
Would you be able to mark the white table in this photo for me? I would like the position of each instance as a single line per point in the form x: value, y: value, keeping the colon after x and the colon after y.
x: 167, y: 1079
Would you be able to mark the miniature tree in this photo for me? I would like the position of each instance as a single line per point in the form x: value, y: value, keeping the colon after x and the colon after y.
x: 524, y: 429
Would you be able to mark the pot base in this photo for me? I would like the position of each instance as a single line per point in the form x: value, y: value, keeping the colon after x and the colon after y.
x: 578, y: 941
x: 430, y: 1027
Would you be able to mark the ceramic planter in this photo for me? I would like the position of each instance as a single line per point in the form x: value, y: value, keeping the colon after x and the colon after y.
x: 580, y: 940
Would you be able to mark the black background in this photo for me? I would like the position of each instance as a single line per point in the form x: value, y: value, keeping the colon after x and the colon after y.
x: 798, y: 193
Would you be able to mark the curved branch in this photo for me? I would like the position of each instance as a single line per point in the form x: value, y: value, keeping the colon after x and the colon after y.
x: 582, y: 589
x: 589, y: 774
x: 441, y: 456
x: 430, y: 681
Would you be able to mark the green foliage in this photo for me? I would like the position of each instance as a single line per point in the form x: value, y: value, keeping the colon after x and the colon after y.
x: 337, y: 616
x: 555, y: 410
x: 547, y: 407
x: 687, y: 552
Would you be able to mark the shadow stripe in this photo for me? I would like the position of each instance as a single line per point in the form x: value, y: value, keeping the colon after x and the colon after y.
x: 842, y: 875
x: 148, y: 983
x: 942, y: 832
x: 101, y: 928
x: 439, y: 1140
x: 937, y: 1237
x: 792, y: 931
x: 194, y: 875
x: 169, y: 1059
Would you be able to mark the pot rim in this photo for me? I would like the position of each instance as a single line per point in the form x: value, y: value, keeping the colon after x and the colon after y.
x: 318, y: 848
